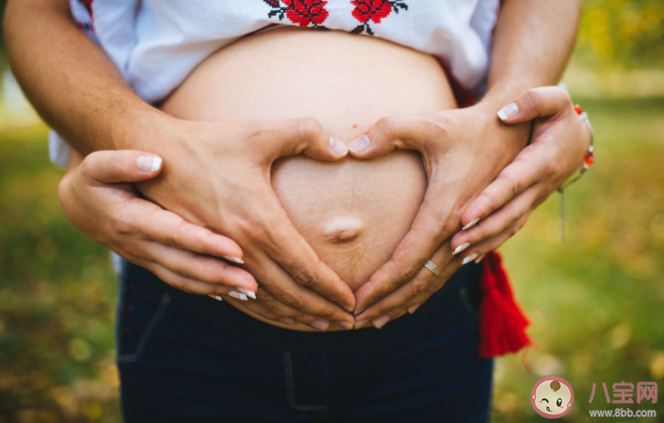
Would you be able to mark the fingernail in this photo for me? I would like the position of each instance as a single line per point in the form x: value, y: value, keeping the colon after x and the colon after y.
x: 380, y: 322
x: 250, y: 294
x: 234, y: 259
x: 360, y: 144
x: 286, y: 320
x: 471, y: 224
x: 412, y: 308
x: 346, y: 325
x: 479, y: 259
x: 238, y: 296
x: 508, y: 111
x: 469, y: 258
x: 460, y: 248
x: 148, y: 163
x: 320, y: 324
x: 348, y: 308
x: 216, y: 297
x: 337, y: 147
x: 361, y: 323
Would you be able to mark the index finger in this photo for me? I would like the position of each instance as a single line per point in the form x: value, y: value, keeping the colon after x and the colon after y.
x: 274, y: 279
x: 519, y: 175
x: 434, y: 223
x: 295, y: 255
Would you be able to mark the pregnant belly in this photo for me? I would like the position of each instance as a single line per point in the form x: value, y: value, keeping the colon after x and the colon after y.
x: 352, y: 212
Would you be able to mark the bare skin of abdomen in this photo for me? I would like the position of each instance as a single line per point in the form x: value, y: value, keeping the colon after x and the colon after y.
x: 352, y: 212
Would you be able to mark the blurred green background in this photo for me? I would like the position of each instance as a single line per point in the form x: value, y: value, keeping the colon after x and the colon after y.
x: 596, y: 300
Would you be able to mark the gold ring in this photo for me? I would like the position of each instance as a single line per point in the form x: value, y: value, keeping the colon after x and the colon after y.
x: 431, y: 266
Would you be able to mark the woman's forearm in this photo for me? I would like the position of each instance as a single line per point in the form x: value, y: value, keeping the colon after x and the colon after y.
x: 532, y: 44
x: 72, y: 83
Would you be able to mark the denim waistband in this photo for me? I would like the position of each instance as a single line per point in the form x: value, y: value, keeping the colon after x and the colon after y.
x: 222, y: 317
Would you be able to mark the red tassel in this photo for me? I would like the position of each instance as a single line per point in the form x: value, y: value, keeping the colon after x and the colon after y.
x: 502, y: 322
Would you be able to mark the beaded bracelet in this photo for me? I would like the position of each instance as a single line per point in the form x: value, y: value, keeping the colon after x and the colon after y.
x: 588, y: 161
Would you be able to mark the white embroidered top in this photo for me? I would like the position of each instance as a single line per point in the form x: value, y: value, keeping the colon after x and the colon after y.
x: 157, y: 43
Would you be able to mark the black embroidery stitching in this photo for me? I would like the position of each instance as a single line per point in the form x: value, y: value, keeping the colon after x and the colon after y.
x: 280, y: 11
x: 396, y: 5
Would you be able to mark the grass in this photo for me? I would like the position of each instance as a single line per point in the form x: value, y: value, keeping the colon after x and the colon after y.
x: 596, y: 300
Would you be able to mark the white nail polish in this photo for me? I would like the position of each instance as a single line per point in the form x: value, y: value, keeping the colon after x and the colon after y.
x: 250, y: 294
x: 360, y: 144
x: 469, y: 258
x: 460, y: 248
x: 479, y: 259
x: 338, y: 147
x: 508, y: 111
x: 148, y: 163
x: 234, y: 259
x: 471, y: 224
x: 238, y: 296
x: 216, y: 297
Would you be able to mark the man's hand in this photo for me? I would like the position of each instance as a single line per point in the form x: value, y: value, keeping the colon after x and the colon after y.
x: 217, y: 174
x: 463, y: 150
x: 99, y: 198
x: 560, y: 141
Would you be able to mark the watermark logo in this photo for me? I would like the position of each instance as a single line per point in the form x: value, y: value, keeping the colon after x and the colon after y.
x: 623, y: 393
x: 552, y: 397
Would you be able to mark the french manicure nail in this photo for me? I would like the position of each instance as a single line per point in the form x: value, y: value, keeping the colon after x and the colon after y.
x: 286, y: 320
x: 346, y: 325
x: 148, y: 163
x: 234, y: 259
x: 508, y: 111
x: 471, y: 224
x: 338, y: 147
x: 216, y: 297
x: 361, y: 323
x: 250, y: 294
x: 238, y: 296
x: 469, y: 258
x: 479, y: 259
x: 380, y: 322
x: 320, y: 325
x: 460, y: 248
x: 360, y: 144
x: 412, y: 308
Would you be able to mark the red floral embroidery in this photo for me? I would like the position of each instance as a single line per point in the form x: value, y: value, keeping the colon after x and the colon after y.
x: 300, y: 12
x: 374, y: 10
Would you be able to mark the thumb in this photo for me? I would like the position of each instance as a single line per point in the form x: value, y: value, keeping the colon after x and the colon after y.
x: 301, y: 136
x: 385, y: 135
x: 534, y: 103
x: 121, y: 166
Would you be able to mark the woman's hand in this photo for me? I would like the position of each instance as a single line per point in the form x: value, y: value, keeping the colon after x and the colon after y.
x: 559, y: 143
x: 98, y: 197
x: 217, y: 175
x: 463, y: 150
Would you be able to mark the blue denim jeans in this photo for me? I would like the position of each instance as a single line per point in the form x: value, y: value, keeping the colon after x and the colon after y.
x: 190, y: 358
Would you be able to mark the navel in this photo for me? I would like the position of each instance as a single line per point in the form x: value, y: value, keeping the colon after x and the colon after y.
x: 342, y: 229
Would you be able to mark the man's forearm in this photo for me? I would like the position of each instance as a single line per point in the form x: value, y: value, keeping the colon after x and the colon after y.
x: 71, y: 82
x: 532, y: 44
